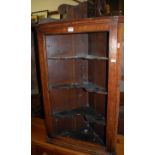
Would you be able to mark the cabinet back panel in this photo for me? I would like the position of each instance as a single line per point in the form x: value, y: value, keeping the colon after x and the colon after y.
x: 69, y: 71
x: 68, y: 99
x: 59, y: 45
x: 66, y: 45
x: 60, y: 71
x: 98, y: 70
x: 98, y: 43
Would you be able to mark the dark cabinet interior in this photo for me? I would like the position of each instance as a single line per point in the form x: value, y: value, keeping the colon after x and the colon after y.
x: 77, y: 84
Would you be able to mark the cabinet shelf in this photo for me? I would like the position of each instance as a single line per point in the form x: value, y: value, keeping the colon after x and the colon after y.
x: 88, y: 113
x: 87, y: 57
x: 86, y: 134
x: 88, y: 86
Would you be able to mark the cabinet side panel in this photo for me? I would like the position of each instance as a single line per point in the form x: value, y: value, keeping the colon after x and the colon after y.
x: 44, y: 82
x: 113, y: 90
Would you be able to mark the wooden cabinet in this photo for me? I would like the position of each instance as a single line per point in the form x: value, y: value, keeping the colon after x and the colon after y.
x: 80, y: 75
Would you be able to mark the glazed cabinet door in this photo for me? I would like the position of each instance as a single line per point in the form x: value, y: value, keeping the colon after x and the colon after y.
x: 80, y: 63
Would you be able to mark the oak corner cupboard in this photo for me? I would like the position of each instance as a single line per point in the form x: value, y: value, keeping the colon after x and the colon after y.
x: 80, y: 74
